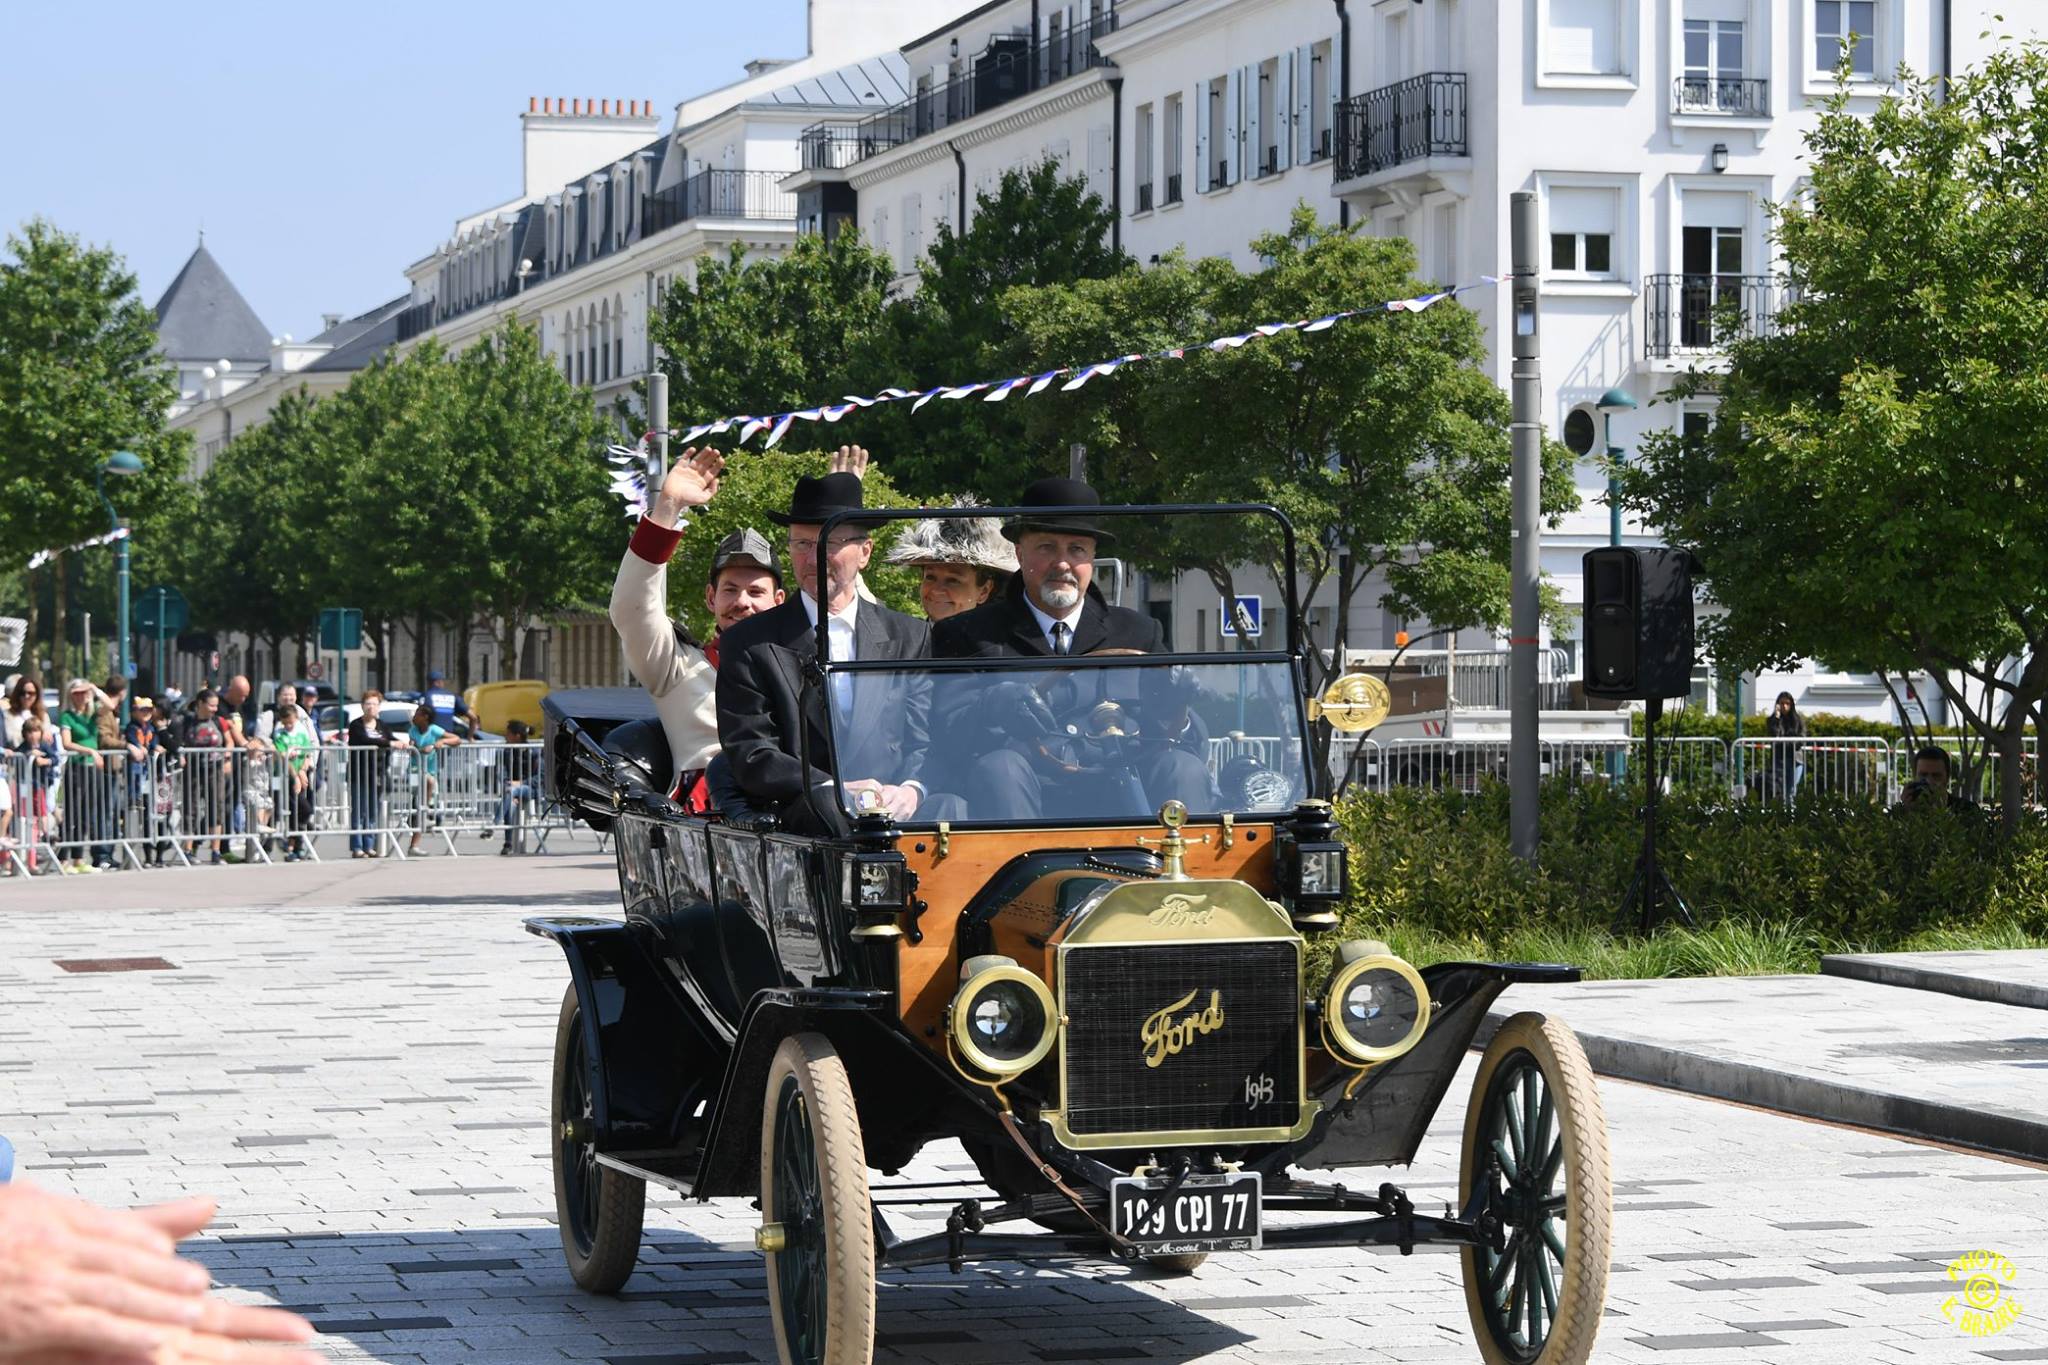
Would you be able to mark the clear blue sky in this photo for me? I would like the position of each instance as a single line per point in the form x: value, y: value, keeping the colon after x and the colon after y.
x: 325, y: 147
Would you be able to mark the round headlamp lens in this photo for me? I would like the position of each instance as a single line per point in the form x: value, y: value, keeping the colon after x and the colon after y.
x: 1379, y: 1009
x: 1005, y: 1021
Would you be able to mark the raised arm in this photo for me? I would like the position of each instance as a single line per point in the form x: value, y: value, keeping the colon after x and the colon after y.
x: 639, y: 605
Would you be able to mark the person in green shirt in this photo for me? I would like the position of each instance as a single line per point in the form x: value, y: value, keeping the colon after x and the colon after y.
x: 87, y: 798
x: 293, y: 737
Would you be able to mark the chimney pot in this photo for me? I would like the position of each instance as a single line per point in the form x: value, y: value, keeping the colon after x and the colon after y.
x: 532, y: 104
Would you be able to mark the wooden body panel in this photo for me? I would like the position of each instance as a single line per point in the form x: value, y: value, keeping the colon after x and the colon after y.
x: 928, y: 973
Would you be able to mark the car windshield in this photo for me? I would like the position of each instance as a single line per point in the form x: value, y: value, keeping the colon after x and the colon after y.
x: 1091, y: 740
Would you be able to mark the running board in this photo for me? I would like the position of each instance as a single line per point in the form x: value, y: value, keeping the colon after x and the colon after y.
x: 673, y: 1169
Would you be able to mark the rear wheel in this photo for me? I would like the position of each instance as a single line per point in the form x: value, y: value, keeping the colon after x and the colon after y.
x: 1536, y: 1138
x: 814, y: 1201
x: 599, y: 1210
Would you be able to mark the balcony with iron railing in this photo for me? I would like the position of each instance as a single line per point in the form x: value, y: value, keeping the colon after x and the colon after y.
x: 1721, y: 96
x: 719, y: 194
x: 1009, y: 68
x: 835, y: 146
x: 1694, y: 315
x: 1408, y: 121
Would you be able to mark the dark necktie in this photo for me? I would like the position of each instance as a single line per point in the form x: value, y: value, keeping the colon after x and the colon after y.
x: 1061, y: 644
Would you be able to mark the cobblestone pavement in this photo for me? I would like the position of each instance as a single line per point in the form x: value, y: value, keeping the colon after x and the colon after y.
x: 363, y: 1083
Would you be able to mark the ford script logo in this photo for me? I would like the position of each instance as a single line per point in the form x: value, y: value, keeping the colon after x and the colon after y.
x: 1181, y: 910
x: 1165, y: 1035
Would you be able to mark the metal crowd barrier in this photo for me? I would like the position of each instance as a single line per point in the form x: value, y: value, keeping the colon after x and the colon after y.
x: 207, y: 805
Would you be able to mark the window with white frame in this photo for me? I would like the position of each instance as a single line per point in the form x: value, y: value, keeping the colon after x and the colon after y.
x: 1173, y: 132
x: 1220, y: 137
x: 913, y: 231
x: 1141, y: 162
x: 1445, y: 246
x: 1584, y: 223
x: 1846, y: 24
x: 1714, y: 59
x: 1583, y: 38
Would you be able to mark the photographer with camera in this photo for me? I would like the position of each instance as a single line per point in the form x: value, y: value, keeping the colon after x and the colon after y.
x: 1933, y: 770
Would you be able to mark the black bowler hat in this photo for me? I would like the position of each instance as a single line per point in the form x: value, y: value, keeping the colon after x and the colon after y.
x: 819, y: 498
x: 1064, y: 501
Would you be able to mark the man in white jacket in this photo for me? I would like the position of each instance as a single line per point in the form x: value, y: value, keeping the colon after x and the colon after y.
x: 676, y: 674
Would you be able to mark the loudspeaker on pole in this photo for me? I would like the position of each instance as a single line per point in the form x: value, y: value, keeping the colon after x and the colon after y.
x: 1638, y: 623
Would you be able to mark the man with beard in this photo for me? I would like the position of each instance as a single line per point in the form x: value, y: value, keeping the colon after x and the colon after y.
x: 772, y: 717
x: 1050, y: 608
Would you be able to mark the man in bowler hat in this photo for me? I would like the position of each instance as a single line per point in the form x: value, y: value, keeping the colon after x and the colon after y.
x: 1051, y: 608
x: 770, y: 721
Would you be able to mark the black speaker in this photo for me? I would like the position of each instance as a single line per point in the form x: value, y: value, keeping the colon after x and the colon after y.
x: 1638, y: 618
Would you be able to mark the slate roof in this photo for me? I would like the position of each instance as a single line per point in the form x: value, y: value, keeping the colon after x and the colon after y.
x: 872, y: 84
x: 203, y: 317
x: 363, y: 338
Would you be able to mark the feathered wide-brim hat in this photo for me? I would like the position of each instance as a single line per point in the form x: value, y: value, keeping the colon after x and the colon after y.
x: 975, y: 541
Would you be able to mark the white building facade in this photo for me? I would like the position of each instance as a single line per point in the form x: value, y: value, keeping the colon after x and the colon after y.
x: 1656, y: 135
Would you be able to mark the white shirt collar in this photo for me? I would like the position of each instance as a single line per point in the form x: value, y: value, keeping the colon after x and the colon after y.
x: 1072, y: 618
x: 844, y: 616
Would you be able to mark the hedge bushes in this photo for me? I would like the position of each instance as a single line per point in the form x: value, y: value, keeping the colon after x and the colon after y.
x: 1691, y: 721
x: 1848, y: 873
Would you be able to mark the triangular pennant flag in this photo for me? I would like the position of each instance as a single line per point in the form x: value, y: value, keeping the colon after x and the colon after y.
x: 753, y: 424
x: 1002, y: 390
x: 1322, y: 324
x: 781, y: 428
x: 963, y: 390
x: 1038, y: 384
x: 927, y: 396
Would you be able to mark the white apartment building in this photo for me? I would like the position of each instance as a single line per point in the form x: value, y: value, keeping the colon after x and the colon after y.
x: 1656, y: 134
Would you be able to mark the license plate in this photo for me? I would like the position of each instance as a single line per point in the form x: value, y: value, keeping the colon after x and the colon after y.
x: 1202, y: 1213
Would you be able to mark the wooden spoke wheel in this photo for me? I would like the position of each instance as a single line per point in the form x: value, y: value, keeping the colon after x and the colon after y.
x: 599, y: 1210
x: 819, y: 1225
x: 1536, y: 1139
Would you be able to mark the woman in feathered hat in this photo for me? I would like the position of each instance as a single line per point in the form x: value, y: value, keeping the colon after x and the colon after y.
x: 963, y: 560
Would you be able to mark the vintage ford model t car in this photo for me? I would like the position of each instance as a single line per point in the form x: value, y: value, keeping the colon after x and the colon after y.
x: 1126, y: 1012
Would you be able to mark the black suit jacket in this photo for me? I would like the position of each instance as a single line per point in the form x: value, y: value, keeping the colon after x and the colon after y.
x: 762, y: 701
x: 1003, y: 627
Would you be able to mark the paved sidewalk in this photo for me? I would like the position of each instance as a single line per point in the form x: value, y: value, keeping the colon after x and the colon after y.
x: 1884, y: 1057
x: 2013, y: 977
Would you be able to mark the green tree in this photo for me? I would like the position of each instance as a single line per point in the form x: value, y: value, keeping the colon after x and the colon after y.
x: 1383, y: 438
x: 1870, y: 493
x: 1038, y: 228
x: 79, y: 379
x: 550, y: 524
x: 772, y: 334
x: 259, y: 555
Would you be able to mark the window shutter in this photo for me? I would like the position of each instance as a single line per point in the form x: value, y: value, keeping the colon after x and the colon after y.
x: 1233, y: 123
x: 1304, y: 95
x: 1254, y: 129
x: 1205, y: 169
x: 1282, y: 136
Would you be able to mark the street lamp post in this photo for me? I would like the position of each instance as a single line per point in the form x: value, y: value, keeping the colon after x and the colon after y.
x: 1613, y: 401
x: 122, y: 464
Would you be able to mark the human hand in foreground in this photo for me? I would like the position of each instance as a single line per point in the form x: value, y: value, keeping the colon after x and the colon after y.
x: 692, y: 481
x: 850, y: 460
x: 81, y: 1284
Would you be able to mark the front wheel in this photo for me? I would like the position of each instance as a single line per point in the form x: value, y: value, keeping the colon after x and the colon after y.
x: 1536, y: 1140
x: 820, y: 1232
x: 599, y: 1210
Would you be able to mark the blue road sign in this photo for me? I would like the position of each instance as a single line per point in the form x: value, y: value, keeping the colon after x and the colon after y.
x: 1246, y: 621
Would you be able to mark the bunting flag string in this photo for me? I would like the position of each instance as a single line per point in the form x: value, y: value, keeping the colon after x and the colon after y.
x: 631, y: 465
x: 42, y: 557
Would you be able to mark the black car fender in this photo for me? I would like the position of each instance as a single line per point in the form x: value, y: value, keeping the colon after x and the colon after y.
x: 651, y: 1063
x: 904, y: 1095
x: 1383, y: 1122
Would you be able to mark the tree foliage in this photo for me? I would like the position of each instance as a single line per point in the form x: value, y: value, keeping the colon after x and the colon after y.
x: 1870, y: 493
x: 431, y: 489
x: 79, y: 379
x: 1383, y: 438
x: 771, y: 334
